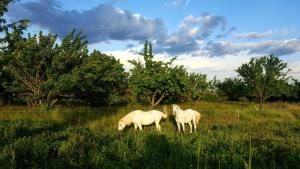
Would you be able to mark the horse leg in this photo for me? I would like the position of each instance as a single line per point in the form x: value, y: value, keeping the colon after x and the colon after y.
x: 178, y: 125
x: 191, y: 127
x: 140, y: 127
x: 183, y: 128
x: 157, y: 126
x: 195, y: 125
x: 135, y: 126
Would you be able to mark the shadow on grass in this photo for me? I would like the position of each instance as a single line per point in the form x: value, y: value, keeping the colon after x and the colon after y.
x: 85, y: 115
x: 160, y: 153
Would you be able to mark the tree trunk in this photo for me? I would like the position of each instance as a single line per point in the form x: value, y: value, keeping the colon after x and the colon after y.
x: 260, y: 103
x: 153, y: 102
x: 160, y: 99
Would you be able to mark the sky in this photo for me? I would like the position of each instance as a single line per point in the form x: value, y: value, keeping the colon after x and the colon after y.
x: 212, y: 37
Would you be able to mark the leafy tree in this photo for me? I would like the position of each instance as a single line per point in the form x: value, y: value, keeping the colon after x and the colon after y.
x: 30, y: 67
x: 3, y: 9
x: 12, y: 31
x: 293, y: 93
x: 265, y: 77
x: 5, y: 79
x: 233, y: 88
x: 296, y: 90
x: 72, y: 51
x: 100, y: 79
x: 12, y: 35
x: 35, y: 64
x: 3, y: 6
x: 147, y: 79
x: 199, y: 85
x: 180, y: 89
x: 156, y: 81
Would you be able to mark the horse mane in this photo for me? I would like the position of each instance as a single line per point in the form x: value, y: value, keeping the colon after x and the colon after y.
x: 176, y: 106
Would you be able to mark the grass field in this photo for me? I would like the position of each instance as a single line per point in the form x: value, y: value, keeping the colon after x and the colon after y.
x: 230, y: 135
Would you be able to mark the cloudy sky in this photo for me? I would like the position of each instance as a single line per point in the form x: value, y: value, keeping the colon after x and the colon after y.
x: 207, y: 36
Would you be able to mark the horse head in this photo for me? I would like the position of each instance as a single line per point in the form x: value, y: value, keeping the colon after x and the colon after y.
x: 175, y: 107
x: 121, y: 125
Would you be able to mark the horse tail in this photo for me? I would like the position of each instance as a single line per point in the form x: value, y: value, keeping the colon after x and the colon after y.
x: 198, y: 116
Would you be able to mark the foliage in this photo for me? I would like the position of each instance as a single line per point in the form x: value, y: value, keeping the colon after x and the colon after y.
x: 4, y: 25
x: 30, y: 66
x: 100, y: 79
x: 71, y: 53
x: 34, y: 66
x: 5, y: 81
x: 199, y: 83
x: 233, y: 88
x: 149, y: 81
x: 3, y: 6
x: 11, y: 31
x: 42, y: 71
x: 294, y: 91
x: 155, y: 81
x: 265, y: 76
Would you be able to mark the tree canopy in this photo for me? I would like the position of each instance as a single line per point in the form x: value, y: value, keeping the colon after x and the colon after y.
x: 100, y: 79
x: 42, y: 69
x: 233, y: 88
x: 156, y: 81
x: 265, y: 76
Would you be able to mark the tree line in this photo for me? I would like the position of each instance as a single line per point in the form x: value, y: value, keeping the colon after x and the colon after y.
x: 40, y: 70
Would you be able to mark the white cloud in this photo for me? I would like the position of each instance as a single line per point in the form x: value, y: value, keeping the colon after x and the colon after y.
x: 191, y: 33
x: 176, y: 3
x: 254, y: 35
x: 221, y: 67
x: 277, y: 47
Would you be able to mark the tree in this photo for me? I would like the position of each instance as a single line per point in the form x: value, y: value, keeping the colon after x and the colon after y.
x: 296, y: 89
x: 3, y: 6
x: 199, y: 85
x: 3, y: 23
x: 100, y: 79
x: 156, y: 81
x: 72, y: 51
x: 265, y: 76
x: 12, y: 35
x: 30, y: 67
x: 36, y: 63
x: 233, y: 88
x: 293, y: 91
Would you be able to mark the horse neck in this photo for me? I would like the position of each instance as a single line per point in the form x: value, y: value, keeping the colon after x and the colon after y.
x: 178, y: 110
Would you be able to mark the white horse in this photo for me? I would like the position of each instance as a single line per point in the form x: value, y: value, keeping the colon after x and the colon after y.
x: 139, y: 118
x: 186, y: 116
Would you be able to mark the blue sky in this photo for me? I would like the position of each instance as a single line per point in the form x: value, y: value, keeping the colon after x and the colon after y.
x: 208, y: 36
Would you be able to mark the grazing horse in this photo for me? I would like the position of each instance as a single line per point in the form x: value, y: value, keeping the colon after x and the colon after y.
x: 186, y: 116
x: 139, y: 118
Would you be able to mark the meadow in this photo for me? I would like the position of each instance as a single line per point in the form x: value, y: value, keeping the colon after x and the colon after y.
x: 230, y: 135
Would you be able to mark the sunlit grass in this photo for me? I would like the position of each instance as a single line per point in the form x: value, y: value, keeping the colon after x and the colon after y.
x: 224, y: 133
x: 230, y: 113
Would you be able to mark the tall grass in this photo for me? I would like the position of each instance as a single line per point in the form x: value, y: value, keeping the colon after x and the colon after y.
x: 84, y: 137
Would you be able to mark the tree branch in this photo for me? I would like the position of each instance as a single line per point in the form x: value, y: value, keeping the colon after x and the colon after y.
x: 159, y: 100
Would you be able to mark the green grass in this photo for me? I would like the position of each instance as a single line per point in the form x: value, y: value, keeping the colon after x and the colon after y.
x: 230, y: 135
